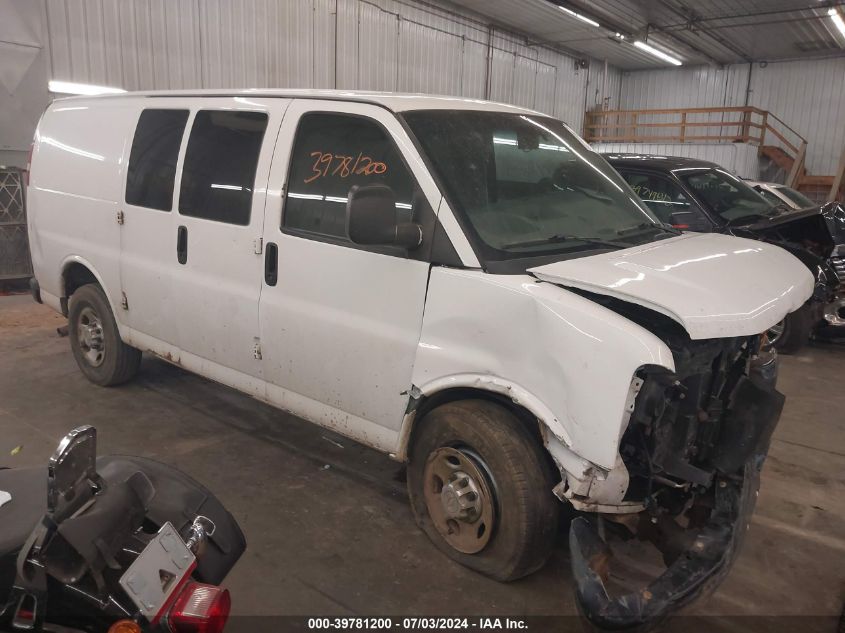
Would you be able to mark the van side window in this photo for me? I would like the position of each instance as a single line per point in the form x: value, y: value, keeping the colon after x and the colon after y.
x: 152, y: 160
x: 219, y: 171
x: 331, y: 153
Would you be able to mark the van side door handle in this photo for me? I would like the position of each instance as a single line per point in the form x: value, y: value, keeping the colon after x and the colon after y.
x: 271, y: 264
x: 182, y: 244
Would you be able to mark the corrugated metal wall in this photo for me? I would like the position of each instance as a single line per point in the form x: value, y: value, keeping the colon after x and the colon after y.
x: 697, y: 87
x: 400, y: 45
x: 809, y: 96
x: 601, y: 89
x: 393, y: 45
x: 23, y: 77
x: 701, y: 86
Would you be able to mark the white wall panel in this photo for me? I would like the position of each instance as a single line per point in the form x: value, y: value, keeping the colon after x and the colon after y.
x: 364, y: 44
x: 601, y: 89
x: 429, y: 60
x: 613, y: 90
x: 346, y: 44
x: 24, y: 64
x: 697, y: 87
x: 474, y: 69
x: 701, y: 86
x: 135, y: 44
x: 570, y: 96
x: 378, y: 49
x: 502, y: 64
x: 393, y: 45
x: 524, y: 81
x: 808, y: 95
x: 545, y: 88
x: 324, y: 28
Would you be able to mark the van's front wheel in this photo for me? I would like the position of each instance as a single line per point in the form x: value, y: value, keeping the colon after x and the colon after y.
x: 791, y: 334
x: 481, y: 489
x: 95, y: 341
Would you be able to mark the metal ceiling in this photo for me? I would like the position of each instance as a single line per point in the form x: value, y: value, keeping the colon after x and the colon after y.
x: 695, y: 31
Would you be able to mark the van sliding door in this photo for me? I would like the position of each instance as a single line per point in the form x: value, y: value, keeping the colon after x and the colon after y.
x: 217, y: 248
x: 147, y: 239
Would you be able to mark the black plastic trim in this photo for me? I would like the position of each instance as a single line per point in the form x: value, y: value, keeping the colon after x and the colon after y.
x: 35, y: 290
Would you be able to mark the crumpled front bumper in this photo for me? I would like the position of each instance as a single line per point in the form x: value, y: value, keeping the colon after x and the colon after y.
x: 707, y: 557
x: 693, y: 574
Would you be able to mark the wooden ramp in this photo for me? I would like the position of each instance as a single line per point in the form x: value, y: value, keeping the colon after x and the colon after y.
x: 778, y: 143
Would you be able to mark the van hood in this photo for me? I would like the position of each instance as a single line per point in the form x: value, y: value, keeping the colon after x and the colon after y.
x: 716, y: 286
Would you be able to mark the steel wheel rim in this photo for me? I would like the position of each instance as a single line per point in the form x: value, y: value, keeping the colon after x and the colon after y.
x: 458, y: 492
x: 89, y: 335
x: 776, y: 331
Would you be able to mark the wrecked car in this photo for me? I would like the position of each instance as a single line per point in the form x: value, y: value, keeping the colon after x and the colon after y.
x: 696, y: 195
x: 778, y: 194
x: 464, y: 285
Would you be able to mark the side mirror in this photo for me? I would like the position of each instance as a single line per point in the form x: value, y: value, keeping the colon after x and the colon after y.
x: 371, y: 219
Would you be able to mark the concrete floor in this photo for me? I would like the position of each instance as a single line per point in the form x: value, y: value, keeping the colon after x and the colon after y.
x: 327, y: 520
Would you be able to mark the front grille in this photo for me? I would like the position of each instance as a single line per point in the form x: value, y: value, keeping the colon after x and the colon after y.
x: 838, y: 265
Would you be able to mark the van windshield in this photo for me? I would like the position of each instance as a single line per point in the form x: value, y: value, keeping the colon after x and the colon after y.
x: 525, y: 186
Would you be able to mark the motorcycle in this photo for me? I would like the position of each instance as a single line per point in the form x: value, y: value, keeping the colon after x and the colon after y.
x: 118, y: 544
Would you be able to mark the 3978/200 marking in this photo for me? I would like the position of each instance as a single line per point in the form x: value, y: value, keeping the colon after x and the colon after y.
x: 417, y: 623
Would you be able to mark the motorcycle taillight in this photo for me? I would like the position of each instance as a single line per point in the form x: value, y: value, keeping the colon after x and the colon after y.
x: 199, y: 608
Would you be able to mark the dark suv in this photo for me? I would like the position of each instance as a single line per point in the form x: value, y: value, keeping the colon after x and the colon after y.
x: 695, y: 195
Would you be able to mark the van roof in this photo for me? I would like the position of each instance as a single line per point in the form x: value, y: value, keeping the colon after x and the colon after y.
x: 395, y: 101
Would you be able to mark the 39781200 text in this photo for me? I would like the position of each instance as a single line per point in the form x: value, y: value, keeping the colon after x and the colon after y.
x: 417, y: 623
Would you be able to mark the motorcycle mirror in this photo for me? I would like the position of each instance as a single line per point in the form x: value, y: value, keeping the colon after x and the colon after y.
x: 71, y: 469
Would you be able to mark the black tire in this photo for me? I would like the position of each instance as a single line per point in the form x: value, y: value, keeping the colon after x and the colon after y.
x: 526, y: 521
x: 796, y: 330
x: 118, y: 362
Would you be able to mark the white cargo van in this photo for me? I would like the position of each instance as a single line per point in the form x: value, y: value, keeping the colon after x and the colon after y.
x: 462, y: 284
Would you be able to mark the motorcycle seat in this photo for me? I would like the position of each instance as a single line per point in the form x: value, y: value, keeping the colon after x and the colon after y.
x: 28, y: 487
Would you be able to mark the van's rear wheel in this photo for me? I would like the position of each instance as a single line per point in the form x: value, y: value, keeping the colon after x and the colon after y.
x: 481, y: 489
x: 95, y: 341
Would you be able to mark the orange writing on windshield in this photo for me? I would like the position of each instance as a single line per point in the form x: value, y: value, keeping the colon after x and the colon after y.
x: 340, y: 165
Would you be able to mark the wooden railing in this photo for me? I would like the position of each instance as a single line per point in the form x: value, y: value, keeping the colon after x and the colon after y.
x: 703, y: 125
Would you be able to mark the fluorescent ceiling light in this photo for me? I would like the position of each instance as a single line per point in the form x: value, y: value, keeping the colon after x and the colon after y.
x: 70, y: 88
x: 583, y: 18
x: 837, y: 20
x: 657, y: 53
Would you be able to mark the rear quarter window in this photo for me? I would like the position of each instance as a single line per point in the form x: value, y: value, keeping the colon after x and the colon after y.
x: 152, y: 161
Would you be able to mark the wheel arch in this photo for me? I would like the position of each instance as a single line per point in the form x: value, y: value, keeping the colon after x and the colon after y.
x: 77, y: 272
x: 533, y: 415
